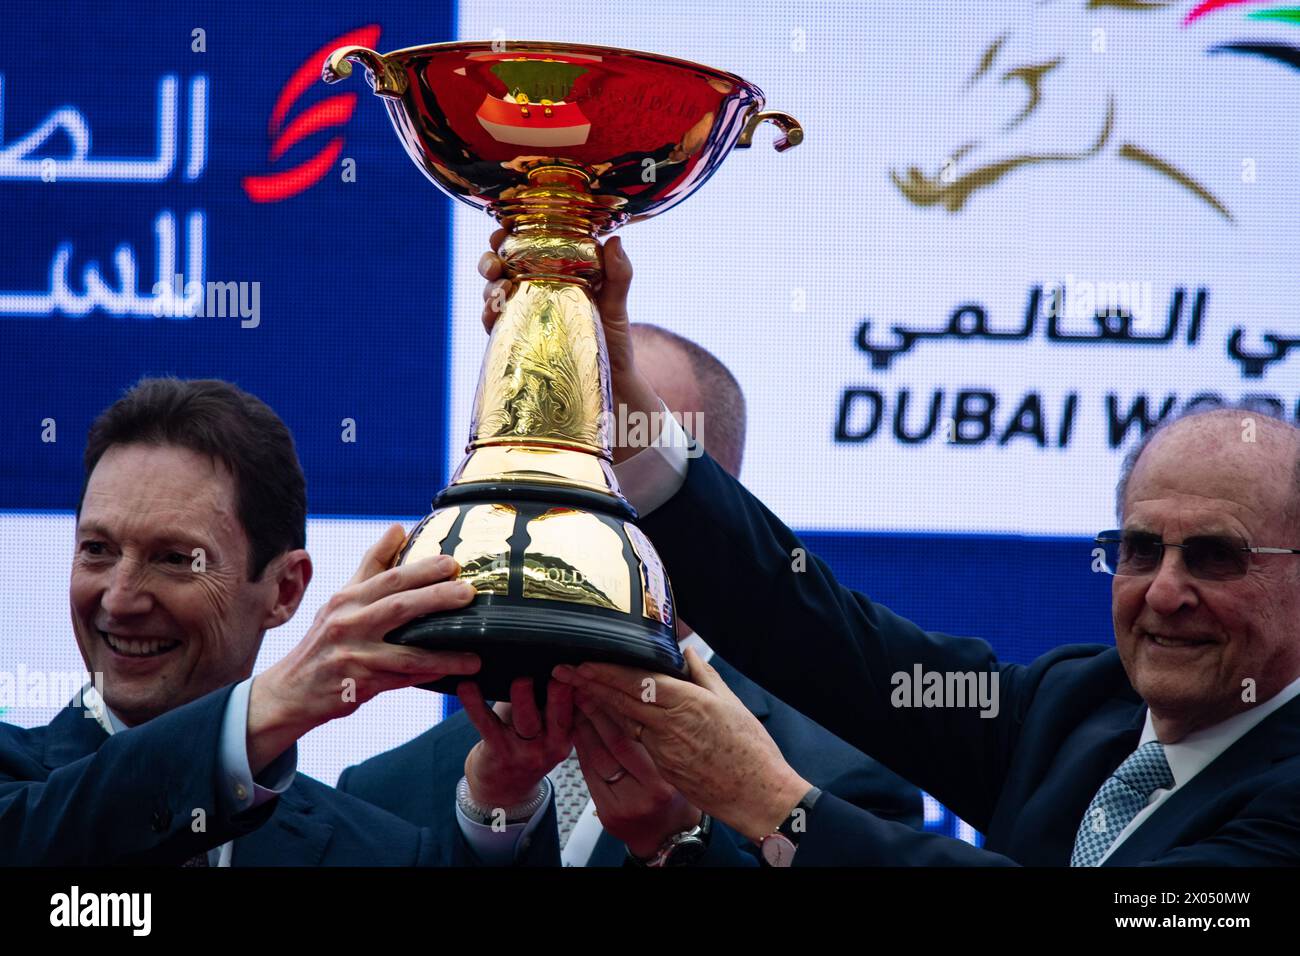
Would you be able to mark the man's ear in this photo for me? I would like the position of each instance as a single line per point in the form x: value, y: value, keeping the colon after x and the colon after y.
x: 290, y: 573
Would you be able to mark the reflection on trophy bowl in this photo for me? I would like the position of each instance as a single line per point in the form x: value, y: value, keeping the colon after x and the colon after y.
x: 644, y: 131
x: 561, y: 143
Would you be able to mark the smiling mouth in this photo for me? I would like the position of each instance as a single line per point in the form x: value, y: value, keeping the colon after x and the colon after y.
x: 137, y: 647
x: 1161, y: 640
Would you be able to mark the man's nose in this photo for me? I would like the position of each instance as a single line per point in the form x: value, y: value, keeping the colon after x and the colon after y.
x: 127, y: 594
x: 1171, y: 588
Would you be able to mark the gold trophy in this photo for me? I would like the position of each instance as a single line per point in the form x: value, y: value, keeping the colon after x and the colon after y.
x: 561, y: 143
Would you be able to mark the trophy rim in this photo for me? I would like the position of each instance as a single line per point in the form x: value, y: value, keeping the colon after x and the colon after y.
x: 558, y: 46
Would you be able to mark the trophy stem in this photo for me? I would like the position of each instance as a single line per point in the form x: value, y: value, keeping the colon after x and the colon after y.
x: 542, y: 411
x: 534, y: 516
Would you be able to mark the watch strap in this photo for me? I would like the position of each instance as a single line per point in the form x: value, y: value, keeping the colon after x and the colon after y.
x: 486, y: 815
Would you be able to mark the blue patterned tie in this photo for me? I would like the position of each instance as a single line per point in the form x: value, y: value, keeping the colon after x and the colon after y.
x: 1119, y: 800
x: 571, y: 795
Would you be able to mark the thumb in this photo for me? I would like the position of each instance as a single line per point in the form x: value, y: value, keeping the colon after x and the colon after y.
x: 703, y: 675
x: 381, y: 554
x: 612, y: 299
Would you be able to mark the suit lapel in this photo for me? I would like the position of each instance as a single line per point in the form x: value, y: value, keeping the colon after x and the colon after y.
x: 293, y: 836
x: 1274, y: 738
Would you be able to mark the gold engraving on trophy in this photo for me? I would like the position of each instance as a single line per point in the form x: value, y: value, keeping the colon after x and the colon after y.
x: 654, y: 581
x: 427, y: 537
x: 574, y: 556
x: 542, y: 378
x: 484, y: 550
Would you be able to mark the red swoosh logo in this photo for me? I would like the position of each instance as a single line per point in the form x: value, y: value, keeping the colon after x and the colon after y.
x: 332, y: 112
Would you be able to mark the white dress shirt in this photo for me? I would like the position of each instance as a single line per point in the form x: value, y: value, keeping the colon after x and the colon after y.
x: 1198, y: 750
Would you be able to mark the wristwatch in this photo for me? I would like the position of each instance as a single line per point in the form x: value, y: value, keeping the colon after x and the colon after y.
x: 680, y: 849
x: 488, y: 816
x: 779, y: 846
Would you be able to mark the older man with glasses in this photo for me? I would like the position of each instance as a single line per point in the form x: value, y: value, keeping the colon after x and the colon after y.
x: 1178, y: 745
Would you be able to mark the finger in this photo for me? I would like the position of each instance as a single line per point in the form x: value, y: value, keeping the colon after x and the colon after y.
x: 485, y: 721
x: 397, y: 609
x: 629, y: 754
x: 611, y: 300
x: 496, y: 299
x: 559, y: 715
x: 406, y: 577
x: 420, y: 664
x: 380, y: 554
x: 491, y: 265
x: 381, y: 680
x: 497, y: 238
x: 618, y: 676
x: 593, y: 756
x: 628, y: 711
x: 523, y: 709
x: 643, y: 685
x: 495, y: 296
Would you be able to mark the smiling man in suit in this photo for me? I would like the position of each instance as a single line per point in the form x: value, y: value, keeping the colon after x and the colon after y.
x: 1180, y: 745
x: 612, y: 805
x: 189, y: 546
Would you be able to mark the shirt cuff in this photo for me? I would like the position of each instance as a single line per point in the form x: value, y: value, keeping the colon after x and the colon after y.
x: 502, y: 846
x: 656, y: 472
x: 240, y: 788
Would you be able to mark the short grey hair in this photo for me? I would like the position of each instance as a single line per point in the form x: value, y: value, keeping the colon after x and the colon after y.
x: 1264, y: 410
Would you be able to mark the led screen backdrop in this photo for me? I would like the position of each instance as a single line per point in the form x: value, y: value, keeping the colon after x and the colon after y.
x: 1017, y: 234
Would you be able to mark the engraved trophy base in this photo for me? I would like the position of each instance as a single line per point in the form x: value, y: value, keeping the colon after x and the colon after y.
x: 534, y: 607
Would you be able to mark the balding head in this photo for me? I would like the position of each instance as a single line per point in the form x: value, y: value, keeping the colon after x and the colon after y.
x: 1200, y: 649
x: 691, y: 380
x: 1240, y: 442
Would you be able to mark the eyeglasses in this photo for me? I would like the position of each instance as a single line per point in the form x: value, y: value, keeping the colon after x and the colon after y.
x: 1210, y: 557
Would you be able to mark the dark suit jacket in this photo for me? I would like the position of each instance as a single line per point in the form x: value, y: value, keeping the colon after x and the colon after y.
x: 389, y: 779
x: 1024, y: 777
x: 72, y: 795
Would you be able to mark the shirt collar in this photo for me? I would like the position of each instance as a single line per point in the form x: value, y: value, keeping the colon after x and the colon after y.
x: 91, y: 700
x: 1198, y: 749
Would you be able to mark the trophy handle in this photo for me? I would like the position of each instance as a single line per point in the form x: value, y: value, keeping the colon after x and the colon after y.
x: 792, y: 132
x: 386, y: 78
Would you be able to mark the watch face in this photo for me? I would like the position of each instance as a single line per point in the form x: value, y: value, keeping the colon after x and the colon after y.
x: 777, y: 850
x: 686, y: 852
